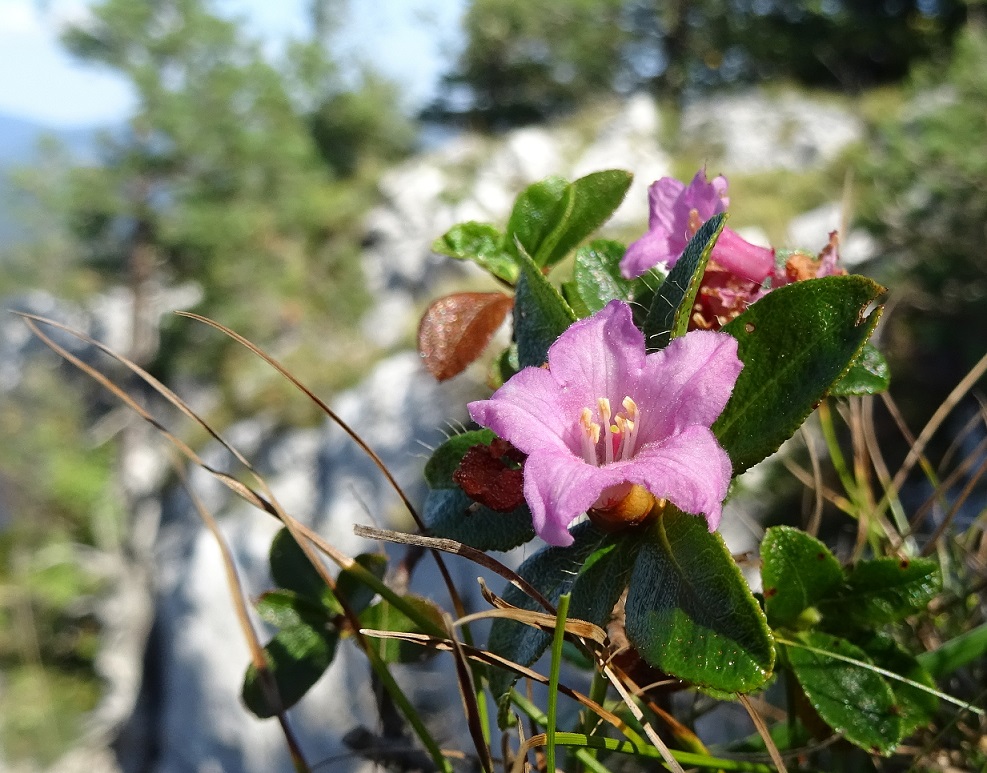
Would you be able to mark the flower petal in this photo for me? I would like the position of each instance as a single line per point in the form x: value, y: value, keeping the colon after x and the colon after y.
x: 689, y: 469
x: 598, y: 357
x: 740, y: 257
x: 687, y: 382
x: 647, y: 252
x: 558, y: 489
x: 662, y: 196
x: 529, y: 411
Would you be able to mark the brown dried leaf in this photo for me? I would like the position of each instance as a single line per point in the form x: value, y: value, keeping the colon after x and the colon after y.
x: 456, y: 328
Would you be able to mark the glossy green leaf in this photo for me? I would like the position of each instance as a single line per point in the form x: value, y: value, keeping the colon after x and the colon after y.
x: 852, y: 699
x: 797, y: 570
x: 589, y: 203
x: 481, y: 243
x: 383, y: 616
x: 671, y: 308
x: 553, y: 571
x: 596, y: 277
x: 296, y: 657
x: 446, y: 458
x: 795, y: 343
x: 884, y: 590
x: 551, y: 217
x: 452, y: 514
x: 690, y: 612
x: 541, y: 315
x: 536, y: 213
x: 915, y: 707
x: 869, y: 375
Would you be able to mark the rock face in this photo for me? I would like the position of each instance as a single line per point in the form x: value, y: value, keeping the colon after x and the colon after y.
x: 187, y: 715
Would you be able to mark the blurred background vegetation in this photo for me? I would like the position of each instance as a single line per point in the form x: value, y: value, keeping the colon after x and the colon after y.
x: 245, y: 176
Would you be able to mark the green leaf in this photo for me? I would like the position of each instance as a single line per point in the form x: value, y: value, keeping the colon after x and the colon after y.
x: 690, y: 612
x: 551, y: 217
x: 915, y: 707
x: 852, y: 699
x: 481, y: 243
x: 446, y: 458
x: 536, y: 213
x: 795, y: 343
x: 291, y: 569
x: 541, y: 315
x: 884, y: 590
x: 356, y: 592
x: 956, y: 653
x: 553, y: 571
x: 296, y: 657
x: 596, y: 277
x: 452, y: 514
x: 797, y: 572
x: 869, y: 375
x: 383, y: 616
x: 671, y: 309
x: 285, y: 608
x: 603, y: 578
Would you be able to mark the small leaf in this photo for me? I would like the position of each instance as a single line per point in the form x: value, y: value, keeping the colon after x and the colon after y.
x: 296, y: 657
x: 590, y: 202
x: 884, y: 590
x: 551, y: 217
x: 541, y: 315
x: 451, y: 514
x: 446, y: 458
x: 671, y: 309
x: 291, y: 569
x: 457, y: 328
x: 915, y: 707
x: 690, y: 612
x: 596, y: 277
x: 603, y: 578
x: 481, y: 243
x: 553, y: 571
x: 795, y: 343
x: 285, y: 608
x: 536, y: 213
x: 383, y: 616
x: 798, y: 570
x: 356, y: 592
x: 852, y: 699
x: 869, y: 375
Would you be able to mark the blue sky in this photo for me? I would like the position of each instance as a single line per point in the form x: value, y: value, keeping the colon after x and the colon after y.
x: 409, y: 40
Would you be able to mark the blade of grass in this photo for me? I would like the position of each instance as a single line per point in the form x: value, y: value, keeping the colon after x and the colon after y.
x: 553, y: 678
x: 762, y: 730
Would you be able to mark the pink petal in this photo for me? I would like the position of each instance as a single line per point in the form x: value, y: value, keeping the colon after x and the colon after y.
x: 662, y: 196
x: 558, y: 489
x: 689, y: 469
x: 687, y: 382
x: 647, y: 252
x: 740, y: 257
x: 598, y: 356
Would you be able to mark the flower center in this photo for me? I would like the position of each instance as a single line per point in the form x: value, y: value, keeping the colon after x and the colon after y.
x: 617, y: 433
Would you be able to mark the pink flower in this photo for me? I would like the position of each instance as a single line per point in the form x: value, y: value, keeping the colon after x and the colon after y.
x: 604, y: 422
x: 677, y: 211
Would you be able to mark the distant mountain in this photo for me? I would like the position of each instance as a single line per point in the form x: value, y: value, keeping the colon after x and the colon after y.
x: 20, y: 147
x: 19, y: 138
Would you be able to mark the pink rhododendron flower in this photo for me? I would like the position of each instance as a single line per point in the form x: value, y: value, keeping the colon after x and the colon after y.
x: 604, y: 422
x: 676, y: 212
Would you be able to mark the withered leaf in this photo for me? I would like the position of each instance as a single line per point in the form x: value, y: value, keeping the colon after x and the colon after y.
x: 456, y: 328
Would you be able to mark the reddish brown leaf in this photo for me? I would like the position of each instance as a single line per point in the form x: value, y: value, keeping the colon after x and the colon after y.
x: 456, y: 328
